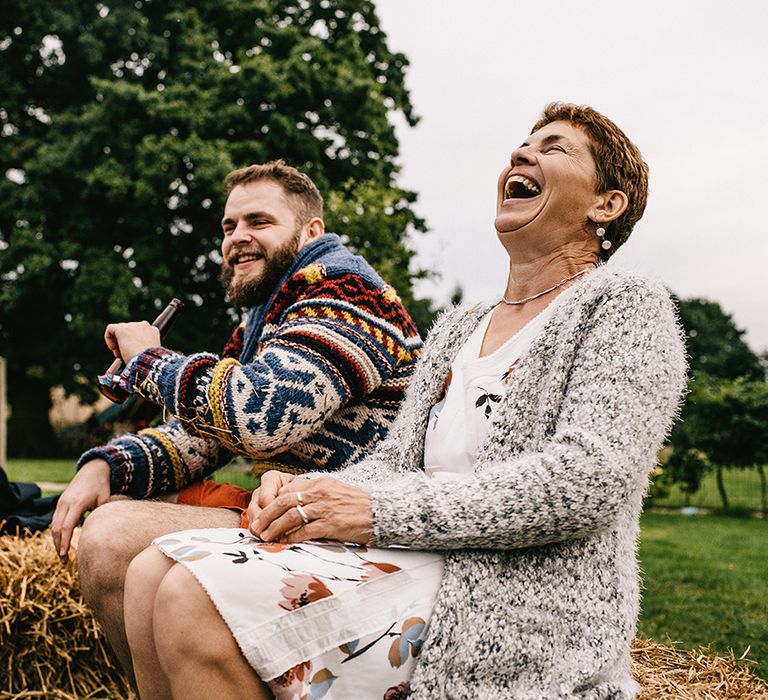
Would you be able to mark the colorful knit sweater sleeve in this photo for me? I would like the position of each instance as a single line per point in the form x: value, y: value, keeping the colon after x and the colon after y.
x: 330, y: 343
x: 165, y: 458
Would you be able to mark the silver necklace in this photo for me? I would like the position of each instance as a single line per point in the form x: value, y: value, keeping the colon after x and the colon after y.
x: 517, y: 302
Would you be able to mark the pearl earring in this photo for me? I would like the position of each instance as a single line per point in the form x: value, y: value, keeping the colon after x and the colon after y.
x: 605, y: 245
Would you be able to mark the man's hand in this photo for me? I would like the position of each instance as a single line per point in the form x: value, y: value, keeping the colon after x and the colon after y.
x: 127, y: 340
x: 88, y: 489
x: 334, y: 510
x: 269, y: 489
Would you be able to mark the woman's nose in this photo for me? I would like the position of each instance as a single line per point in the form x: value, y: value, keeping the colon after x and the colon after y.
x: 522, y: 156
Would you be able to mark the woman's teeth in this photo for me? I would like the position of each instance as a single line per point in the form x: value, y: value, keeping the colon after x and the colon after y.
x: 520, y: 187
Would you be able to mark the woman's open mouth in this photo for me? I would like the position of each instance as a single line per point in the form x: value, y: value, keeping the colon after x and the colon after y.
x: 520, y: 187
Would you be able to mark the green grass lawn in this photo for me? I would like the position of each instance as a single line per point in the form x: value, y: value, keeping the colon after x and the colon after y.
x: 247, y: 481
x: 741, y: 485
x: 62, y: 470
x: 706, y: 583
x: 704, y: 576
x: 53, y: 470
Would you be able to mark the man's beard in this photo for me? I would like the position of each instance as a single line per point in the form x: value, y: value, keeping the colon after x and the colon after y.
x: 249, y: 291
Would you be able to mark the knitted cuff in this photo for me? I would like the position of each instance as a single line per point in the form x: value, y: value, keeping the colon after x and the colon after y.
x: 142, y: 373
x: 116, y: 460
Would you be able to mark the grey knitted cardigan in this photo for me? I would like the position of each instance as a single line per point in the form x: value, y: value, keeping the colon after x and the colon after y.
x: 540, y: 591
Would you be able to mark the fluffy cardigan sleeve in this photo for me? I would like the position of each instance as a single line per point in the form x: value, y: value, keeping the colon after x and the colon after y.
x: 621, y: 391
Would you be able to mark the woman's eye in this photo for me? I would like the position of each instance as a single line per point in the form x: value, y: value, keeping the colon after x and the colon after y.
x: 556, y: 147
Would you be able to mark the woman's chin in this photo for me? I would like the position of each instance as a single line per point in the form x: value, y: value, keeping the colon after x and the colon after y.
x: 506, y: 228
x: 509, y: 222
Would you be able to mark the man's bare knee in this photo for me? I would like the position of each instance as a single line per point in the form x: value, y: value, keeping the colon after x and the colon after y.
x: 107, y: 530
x: 105, y: 548
x: 117, y: 531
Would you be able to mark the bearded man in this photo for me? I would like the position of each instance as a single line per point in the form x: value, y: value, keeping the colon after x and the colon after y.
x: 311, y: 380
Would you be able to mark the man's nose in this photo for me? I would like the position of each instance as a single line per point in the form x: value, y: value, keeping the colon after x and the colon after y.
x: 240, y: 235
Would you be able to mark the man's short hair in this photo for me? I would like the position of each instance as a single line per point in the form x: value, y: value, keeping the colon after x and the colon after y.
x: 618, y: 163
x: 301, y: 193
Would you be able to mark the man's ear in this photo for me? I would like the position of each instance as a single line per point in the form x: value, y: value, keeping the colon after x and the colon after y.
x: 313, y: 229
x: 609, y: 206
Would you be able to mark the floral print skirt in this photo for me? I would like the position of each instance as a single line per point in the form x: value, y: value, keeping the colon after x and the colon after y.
x: 317, y: 619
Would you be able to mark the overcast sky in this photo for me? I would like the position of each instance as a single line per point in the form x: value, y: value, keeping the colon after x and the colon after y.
x: 685, y: 80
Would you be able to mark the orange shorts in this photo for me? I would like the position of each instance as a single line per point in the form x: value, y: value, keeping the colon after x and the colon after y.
x: 214, y: 495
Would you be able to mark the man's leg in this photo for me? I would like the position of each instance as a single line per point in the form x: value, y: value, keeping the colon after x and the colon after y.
x: 112, y: 536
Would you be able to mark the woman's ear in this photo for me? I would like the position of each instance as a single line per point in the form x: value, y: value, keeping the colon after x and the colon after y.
x: 609, y: 206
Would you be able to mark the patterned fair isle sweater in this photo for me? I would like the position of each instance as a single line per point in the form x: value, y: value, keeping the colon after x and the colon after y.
x: 540, y: 593
x: 313, y: 380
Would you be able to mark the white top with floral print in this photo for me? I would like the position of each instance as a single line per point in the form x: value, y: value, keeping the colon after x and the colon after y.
x: 473, y: 390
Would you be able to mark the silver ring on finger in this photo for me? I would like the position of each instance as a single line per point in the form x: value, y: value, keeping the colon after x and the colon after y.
x: 303, y: 514
x: 299, y: 498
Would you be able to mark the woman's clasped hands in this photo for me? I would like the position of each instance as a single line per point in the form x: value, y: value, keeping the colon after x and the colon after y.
x: 286, y: 508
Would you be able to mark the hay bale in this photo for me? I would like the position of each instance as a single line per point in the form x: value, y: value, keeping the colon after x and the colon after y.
x: 52, y: 647
x: 50, y: 644
x: 673, y: 674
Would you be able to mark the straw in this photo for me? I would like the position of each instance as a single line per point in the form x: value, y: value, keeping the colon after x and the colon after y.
x: 50, y: 644
x: 52, y: 647
x: 673, y: 674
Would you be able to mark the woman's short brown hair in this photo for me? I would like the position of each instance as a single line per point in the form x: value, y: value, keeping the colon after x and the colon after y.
x: 618, y: 162
x: 302, y: 194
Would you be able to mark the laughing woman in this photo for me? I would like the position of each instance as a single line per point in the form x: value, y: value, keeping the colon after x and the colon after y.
x: 490, y: 540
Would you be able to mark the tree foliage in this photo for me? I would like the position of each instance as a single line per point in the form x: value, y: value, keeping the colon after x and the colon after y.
x: 118, y: 122
x: 715, y: 344
x: 724, y: 424
x: 724, y: 420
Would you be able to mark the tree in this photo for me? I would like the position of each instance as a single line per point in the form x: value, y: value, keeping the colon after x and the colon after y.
x: 724, y: 423
x: 723, y: 400
x: 118, y: 122
x: 715, y: 344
